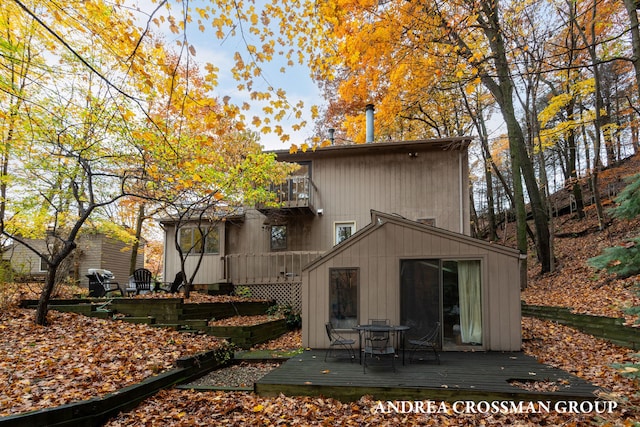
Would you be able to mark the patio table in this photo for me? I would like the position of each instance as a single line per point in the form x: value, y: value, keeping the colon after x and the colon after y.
x: 398, y: 332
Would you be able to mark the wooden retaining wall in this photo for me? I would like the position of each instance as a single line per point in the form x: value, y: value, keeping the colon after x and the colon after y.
x: 607, y: 328
x: 247, y: 336
x: 96, y: 411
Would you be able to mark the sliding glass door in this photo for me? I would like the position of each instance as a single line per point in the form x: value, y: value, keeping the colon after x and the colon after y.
x: 445, y: 291
x: 419, y: 295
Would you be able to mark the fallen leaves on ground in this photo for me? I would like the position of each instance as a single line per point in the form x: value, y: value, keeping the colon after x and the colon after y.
x: 583, y: 355
x: 576, y: 285
x: 244, y: 320
x: 556, y: 345
x: 189, y: 408
x: 76, y: 357
x: 292, y: 340
x: 198, y: 297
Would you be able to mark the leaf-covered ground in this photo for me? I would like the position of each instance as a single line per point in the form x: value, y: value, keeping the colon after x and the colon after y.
x: 78, y: 357
x: 575, y: 284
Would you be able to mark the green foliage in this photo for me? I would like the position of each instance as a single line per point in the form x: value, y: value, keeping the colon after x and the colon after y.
x: 631, y: 370
x: 293, y: 318
x: 628, y: 200
x: 623, y: 261
x: 242, y: 291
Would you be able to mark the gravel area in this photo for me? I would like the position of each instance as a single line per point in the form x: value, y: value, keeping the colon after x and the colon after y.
x: 241, y: 375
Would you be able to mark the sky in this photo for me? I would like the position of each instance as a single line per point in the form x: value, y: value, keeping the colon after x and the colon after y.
x: 209, y: 49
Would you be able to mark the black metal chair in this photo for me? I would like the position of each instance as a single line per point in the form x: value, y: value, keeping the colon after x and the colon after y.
x: 378, y: 344
x: 427, y: 342
x: 336, y: 340
x: 380, y: 322
x: 175, y: 286
x: 142, y: 279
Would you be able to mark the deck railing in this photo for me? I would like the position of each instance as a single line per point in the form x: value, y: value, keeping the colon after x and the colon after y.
x: 268, y: 267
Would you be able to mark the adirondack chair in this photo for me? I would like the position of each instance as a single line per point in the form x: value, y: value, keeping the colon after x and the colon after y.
x: 141, y: 281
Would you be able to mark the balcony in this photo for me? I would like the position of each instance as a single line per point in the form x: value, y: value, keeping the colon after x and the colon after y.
x: 268, y: 267
x: 293, y: 197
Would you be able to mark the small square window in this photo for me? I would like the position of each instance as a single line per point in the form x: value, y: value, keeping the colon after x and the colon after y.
x: 278, y: 237
x: 343, y: 230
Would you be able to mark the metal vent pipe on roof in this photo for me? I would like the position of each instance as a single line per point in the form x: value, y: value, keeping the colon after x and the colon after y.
x: 369, y: 117
x: 332, y: 132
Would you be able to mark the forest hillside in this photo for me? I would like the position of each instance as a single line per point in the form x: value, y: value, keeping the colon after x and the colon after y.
x: 574, y: 283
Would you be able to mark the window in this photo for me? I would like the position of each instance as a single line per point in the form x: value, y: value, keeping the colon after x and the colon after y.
x: 343, y: 230
x: 191, y: 238
x: 43, y: 265
x: 278, y: 237
x: 343, y: 297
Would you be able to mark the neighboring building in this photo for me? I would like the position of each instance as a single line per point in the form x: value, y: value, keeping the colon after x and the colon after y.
x: 423, y: 188
x: 92, y: 251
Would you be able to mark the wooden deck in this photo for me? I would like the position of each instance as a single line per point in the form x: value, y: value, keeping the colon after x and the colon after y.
x: 460, y: 376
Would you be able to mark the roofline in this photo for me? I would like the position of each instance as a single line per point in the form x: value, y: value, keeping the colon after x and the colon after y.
x: 374, y: 224
x: 217, y: 219
x: 444, y: 144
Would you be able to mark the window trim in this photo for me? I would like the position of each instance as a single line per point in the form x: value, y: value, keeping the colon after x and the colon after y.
x: 284, y: 245
x: 336, y: 224
x: 193, y: 230
x: 356, y: 303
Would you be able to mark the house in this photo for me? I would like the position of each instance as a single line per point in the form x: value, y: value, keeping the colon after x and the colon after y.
x: 377, y: 230
x: 416, y: 275
x: 93, y: 250
x: 327, y: 200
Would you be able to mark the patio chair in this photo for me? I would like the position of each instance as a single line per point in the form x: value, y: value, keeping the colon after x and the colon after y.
x: 377, y: 344
x: 101, y: 283
x: 142, y: 281
x: 175, y: 286
x: 336, y: 340
x: 426, y: 342
x: 379, y: 322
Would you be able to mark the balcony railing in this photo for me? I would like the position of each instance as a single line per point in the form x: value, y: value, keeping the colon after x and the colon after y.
x: 268, y: 267
x: 296, y: 193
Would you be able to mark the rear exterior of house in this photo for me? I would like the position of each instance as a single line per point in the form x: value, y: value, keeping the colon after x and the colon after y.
x: 327, y: 200
x: 370, y: 231
x: 416, y: 275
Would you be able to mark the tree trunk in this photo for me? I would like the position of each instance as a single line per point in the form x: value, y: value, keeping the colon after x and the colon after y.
x: 502, y: 91
x: 630, y: 5
x: 45, y: 296
x: 136, y: 245
x: 572, y: 168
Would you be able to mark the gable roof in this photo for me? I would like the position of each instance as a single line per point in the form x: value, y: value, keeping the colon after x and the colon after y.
x: 441, y: 144
x: 379, y: 219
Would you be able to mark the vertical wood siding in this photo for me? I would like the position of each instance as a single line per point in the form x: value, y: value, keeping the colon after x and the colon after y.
x: 211, y: 269
x: 378, y: 256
